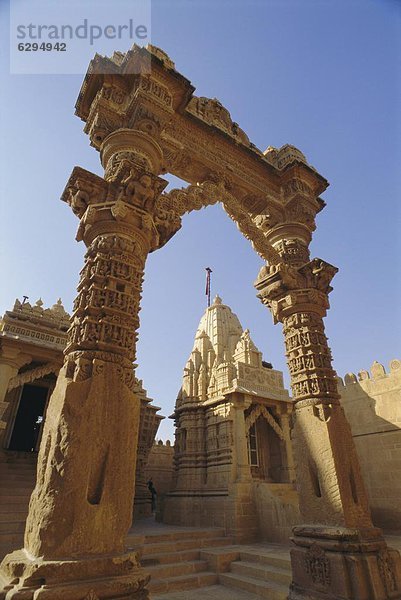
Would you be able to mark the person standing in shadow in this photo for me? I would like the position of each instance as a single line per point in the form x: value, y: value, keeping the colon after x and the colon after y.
x: 152, y: 490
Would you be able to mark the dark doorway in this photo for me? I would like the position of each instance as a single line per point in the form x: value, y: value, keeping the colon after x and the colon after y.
x: 29, y: 418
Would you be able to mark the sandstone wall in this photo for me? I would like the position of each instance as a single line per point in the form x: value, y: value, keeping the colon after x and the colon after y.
x: 372, y: 404
x: 160, y: 466
x: 232, y: 509
x: 278, y: 510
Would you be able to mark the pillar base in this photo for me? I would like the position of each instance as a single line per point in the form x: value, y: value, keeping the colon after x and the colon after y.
x: 104, y: 577
x: 343, y: 564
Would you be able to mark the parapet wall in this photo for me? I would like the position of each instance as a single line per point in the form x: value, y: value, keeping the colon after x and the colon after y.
x: 372, y: 404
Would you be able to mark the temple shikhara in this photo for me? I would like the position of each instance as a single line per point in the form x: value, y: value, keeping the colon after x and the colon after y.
x: 266, y: 492
x: 232, y: 421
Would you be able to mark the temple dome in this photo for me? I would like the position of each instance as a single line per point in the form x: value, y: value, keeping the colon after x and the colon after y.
x: 221, y: 327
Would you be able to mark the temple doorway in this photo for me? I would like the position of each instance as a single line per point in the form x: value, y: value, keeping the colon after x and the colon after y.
x: 28, y: 421
x: 266, y: 453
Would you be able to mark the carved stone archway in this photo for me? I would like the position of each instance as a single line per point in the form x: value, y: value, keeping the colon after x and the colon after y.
x: 261, y: 411
x: 144, y: 125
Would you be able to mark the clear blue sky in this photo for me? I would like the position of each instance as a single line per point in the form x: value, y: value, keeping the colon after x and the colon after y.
x: 323, y: 75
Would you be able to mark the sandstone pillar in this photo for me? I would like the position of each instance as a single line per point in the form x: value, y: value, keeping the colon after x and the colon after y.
x: 243, y: 470
x: 244, y: 516
x: 338, y: 554
x: 285, y: 425
x: 81, y: 507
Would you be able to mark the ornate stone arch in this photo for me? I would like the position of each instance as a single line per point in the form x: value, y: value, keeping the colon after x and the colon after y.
x: 142, y: 116
x: 34, y: 374
x: 261, y: 411
x: 207, y: 193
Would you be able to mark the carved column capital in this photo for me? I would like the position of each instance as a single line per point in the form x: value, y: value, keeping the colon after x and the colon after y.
x: 298, y: 298
x: 288, y: 290
x: 13, y: 356
x: 125, y: 205
x: 125, y: 149
x: 240, y: 401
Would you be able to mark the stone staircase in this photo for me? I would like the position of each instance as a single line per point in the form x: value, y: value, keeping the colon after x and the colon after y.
x: 184, y: 563
x: 17, y: 480
x: 174, y: 558
x: 261, y: 569
x: 190, y: 564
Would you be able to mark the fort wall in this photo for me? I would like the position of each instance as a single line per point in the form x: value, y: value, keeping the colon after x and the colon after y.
x: 372, y: 404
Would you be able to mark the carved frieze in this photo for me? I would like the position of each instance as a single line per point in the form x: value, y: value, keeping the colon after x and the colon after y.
x: 387, y: 571
x: 317, y: 565
x: 212, y: 112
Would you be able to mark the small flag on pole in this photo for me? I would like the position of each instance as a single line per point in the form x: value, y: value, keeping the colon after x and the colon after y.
x: 208, y: 272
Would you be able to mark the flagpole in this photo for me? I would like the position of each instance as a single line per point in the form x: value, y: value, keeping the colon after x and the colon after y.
x: 208, y: 286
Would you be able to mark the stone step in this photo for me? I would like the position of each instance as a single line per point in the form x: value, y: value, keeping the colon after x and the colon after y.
x: 213, y: 592
x: 169, y: 570
x: 15, y: 480
x: 18, y: 466
x: 276, y: 558
x: 12, y: 472
x: 13, y: 515
x: 263, y: 589
x: 185, y: 544
x: 19, y: 503
x: 12, y: 527
x: 182, y: 582
x: 16, y: 483
x: 263, y: 572
x: 166, y: 558
x: 7, y: 517
x: 189, y: 533
x: 17, y: 474
x: 8, y: 493
x: 20, y: 456
x: 11, y: 540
